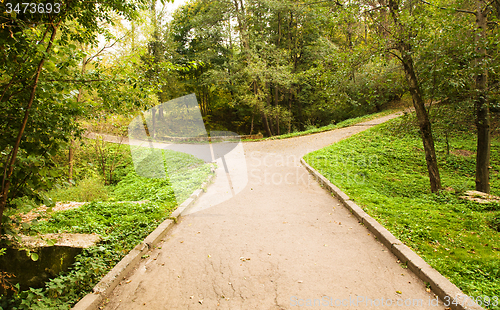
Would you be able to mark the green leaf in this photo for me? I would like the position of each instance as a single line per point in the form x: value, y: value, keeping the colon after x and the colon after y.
x: 34, y: 257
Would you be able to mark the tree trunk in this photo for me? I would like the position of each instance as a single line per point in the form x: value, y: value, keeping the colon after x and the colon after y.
x: 276, y: 96
x: 268, y: 101
x: 423, y: 120
x: 404, y: 48
x: 266, y: 124
x: 72, y: 142
x: 289, y: 110
x: 153, y: 121
x: 482, y: 107
x: 71, y: 156
x: 251, y: 125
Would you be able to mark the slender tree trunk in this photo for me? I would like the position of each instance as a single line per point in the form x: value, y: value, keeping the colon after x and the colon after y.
x: 240, y: 17
x: 276, y: 96
x: 262, y: 114
x: 251, y: 125
x: 268, y: 101
x: 423, y: 121
x: 71, y: 156
x: 289, y: 110
x: 71, y: 152
x: 266, y: 124
x: 11, y: 161
x: 481, y: 104
x: 153, y: 121
x: 404, y: 48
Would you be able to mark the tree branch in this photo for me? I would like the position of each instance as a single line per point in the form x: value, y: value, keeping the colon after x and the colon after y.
x: 373, y: 9
x: 106, y: 47
x: 394, y: 54
x: 443, y: 8
x: 322, y: 1
x: 76, y: 81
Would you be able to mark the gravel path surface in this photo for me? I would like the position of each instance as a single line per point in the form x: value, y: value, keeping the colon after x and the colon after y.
x: 283, y: 242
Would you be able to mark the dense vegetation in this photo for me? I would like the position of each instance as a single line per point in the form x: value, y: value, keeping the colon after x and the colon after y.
x: 383, y: 171
x: 281, y: 68
x: 122, y: 214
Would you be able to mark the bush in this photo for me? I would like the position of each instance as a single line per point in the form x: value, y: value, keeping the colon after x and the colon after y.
x: 89, y: 189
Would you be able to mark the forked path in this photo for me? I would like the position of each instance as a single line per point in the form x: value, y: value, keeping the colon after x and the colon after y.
x: 283, y: 242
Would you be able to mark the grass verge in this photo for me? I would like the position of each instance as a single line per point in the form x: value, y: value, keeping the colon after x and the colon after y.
x: 123, y: 217
x: 384, y: 172
x: 346, y: 123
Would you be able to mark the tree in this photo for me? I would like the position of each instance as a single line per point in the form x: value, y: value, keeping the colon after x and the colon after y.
x: 38, y: 59
x: 398, y: 37
x: 483, y: 62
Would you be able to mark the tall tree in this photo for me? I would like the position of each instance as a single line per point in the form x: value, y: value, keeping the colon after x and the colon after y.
x: 484, y: 40
x: 34, y: 87
x: 398, y: 37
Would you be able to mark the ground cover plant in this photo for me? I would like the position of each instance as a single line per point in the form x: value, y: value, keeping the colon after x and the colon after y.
x: 383, y: 170
x: 123, y: 214
x: 342, y: 124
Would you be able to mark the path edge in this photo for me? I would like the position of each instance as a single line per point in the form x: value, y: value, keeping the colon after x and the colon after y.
x: 440, y: 285
x: 108, y: 283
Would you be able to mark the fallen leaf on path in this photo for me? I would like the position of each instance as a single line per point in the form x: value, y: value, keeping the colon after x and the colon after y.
x: 399, y: 292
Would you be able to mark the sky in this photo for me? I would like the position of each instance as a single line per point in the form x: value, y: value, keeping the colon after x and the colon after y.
x: 170, y: 7
x: 169, y: 10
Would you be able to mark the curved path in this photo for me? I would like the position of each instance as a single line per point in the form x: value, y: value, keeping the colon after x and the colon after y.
x: 281, y: 243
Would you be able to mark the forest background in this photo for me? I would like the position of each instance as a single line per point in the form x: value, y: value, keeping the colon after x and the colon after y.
x: 71, y: 68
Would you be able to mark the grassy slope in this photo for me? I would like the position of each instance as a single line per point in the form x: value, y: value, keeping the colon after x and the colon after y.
x: 121, y: 224
x: 385, y: 173
x: 346, y: 123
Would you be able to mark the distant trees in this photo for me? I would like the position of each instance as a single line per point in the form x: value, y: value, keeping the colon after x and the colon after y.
x: 279, y: 66
x: 275, y: 66
x: 257, y: 65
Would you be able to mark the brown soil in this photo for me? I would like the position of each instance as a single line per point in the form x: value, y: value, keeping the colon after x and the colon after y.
x: 70, y: 240
x: 464, y: 153
x: 42, y: 210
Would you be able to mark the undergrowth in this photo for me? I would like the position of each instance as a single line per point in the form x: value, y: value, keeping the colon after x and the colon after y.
x: 342, y: 124
x: 122, y: 214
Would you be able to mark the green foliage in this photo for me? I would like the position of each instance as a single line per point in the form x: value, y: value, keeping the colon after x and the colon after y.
x: 383, y: 170
x: 86, y: 190
x: 122, y: 214
x: 121, y: 225
x: 342, y: 124
x: 39, y: 99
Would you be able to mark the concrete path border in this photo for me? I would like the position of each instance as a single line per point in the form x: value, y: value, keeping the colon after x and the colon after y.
x: 108, y: 283
x: 440, y: 285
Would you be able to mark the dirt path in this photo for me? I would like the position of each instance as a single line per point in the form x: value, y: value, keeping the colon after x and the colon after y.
x: 282, y: 242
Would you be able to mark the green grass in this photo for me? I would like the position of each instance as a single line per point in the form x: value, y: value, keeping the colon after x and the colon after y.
x: 346, y: 123
x: 112, y: 214
x: 384, y: 172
